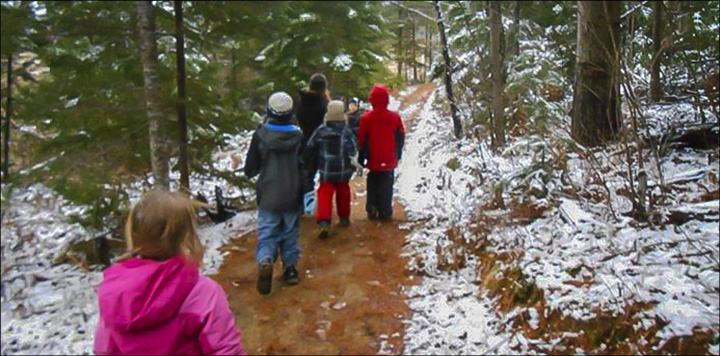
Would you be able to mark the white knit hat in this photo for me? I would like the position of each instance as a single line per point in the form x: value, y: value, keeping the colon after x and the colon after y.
x: 280, y: 105
x: 336, y: 111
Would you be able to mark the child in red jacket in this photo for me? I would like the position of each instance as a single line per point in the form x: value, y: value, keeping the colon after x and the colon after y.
x: 381, y: 137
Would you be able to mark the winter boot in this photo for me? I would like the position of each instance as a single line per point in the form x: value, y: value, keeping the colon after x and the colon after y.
x: 323, y: 229
x: 265, y: 273
x: 385, y: 219
x: 291, y: 276
x: 373, y: 214
x: 344, y: 221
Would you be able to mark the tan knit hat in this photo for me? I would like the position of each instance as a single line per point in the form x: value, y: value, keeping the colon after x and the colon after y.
x: 335, y: 111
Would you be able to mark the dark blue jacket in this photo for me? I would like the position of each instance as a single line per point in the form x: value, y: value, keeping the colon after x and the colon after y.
x: 354, y: 121
x: 330, y: 150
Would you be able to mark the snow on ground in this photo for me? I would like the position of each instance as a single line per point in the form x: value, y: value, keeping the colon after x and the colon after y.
x: 675, y: 268
x: 448, y: 315
x: 52, y: 309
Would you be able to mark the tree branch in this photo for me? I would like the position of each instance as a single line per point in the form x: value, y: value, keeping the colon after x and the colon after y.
x: 422, y: 14
x: 633, y: 10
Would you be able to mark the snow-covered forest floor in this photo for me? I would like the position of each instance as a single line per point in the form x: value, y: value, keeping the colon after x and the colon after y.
x: 550, y: 266
x: 50, y: 308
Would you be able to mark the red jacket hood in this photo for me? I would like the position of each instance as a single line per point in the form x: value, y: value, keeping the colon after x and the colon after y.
x: 141, y: 293
x: 379, y: 97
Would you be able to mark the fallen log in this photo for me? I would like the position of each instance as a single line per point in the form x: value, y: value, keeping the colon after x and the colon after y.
x: 700, y: 137
x: 705, y: 212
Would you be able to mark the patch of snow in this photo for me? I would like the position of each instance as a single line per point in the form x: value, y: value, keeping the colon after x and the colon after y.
x: 342, y: 62
x: 622, y: 263
x: 57, y: 313
x: 448, y: 316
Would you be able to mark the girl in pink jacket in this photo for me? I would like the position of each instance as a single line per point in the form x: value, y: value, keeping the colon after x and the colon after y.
x: 155, y: 301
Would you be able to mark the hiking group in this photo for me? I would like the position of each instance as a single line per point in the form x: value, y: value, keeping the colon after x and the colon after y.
x: 154, y: 300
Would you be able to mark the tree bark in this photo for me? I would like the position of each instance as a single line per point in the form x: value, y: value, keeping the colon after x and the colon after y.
x: 414, y: 54
x: 153, y: 99
x: 182, y: 114
x: 513, y: 45
x: 496, y: 62
x: 596, y: 109
x: 8, y: 115
x: 656, y: 92
x: 457, y: 124
x: 426, y: 61
x: 400, y: 54
x: 429, y: 51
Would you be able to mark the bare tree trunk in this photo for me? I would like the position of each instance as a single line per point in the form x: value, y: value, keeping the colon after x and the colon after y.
x: 496, y: 62
x: 429, y: 51
x: 596, y: 110
x: 153, y: 99
x: 425, y: 54
x: 400, y: 53
x: 656, y: 92
x: 414, y: 53
x: 407, y: 68
x: 513, y: 46
x: 8, y: 115
x: 182, y: 115
x: 457, y: 124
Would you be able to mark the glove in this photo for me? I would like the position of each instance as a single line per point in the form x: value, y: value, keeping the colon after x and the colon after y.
x: 362, y: 158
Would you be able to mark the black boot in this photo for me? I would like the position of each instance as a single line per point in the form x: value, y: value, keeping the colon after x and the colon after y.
x: 291, y: 276
x: 345, y: 222
x: 385, y: 219
x: 265, y: 273
x: 372, y: 214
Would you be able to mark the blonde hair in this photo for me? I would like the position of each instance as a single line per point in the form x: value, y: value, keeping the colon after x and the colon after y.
x: 162, y: 225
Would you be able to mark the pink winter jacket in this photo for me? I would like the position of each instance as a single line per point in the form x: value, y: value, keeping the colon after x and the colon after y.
x: 149, y: 307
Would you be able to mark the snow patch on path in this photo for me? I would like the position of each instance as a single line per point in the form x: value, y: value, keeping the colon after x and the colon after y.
x: 449, y: 317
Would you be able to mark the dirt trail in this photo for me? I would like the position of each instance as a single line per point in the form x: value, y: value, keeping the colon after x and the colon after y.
x: 349, y: 299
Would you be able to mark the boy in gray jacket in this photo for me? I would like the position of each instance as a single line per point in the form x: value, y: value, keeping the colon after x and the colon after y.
x: 275, y: 154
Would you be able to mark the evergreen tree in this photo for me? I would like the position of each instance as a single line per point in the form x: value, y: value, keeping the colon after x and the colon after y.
x: 341, y: 40
x: 18, y: 35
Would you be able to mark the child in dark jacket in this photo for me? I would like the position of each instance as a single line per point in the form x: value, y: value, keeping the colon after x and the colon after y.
x: 331, y: 150
x: 276, y: 154
x: 312, y: 105
x: 381, y: 137
x: 353, y: 115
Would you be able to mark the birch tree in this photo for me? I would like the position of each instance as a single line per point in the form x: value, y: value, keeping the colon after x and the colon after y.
x: 153, y: 100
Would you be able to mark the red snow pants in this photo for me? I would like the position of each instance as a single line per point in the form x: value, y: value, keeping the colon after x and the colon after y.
x: 324, y: 200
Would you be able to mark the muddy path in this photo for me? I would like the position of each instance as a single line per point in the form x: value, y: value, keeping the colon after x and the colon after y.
x: 349, y: 300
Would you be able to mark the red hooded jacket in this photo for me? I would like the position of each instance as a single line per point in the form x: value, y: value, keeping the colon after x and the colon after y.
x: 382, y: 133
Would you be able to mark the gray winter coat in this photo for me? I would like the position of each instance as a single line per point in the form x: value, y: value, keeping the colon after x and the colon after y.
x: 275, y: 153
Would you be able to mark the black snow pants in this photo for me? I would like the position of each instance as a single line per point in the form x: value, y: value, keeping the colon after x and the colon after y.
x: 380, y: 194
